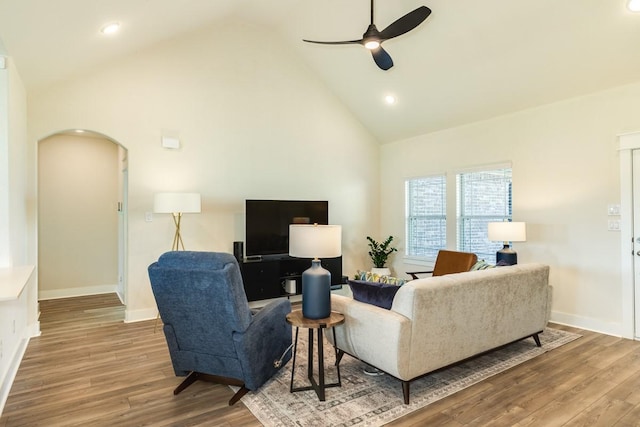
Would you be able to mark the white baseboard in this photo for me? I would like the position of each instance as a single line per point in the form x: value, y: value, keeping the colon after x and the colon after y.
x: 587, y: 323
x: 131, y: 316
x: 10, y: 375
x: 77, y: 292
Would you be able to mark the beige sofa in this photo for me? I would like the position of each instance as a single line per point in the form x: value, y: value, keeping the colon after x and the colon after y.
x: 438, y: 321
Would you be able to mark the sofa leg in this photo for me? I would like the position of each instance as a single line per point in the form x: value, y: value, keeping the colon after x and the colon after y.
x: 536, y: 338
x: 405, y: 391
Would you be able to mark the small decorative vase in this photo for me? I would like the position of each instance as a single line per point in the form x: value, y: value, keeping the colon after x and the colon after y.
x: 381, y: 271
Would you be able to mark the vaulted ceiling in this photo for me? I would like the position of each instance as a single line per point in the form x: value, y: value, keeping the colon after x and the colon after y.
x: 469, y: 61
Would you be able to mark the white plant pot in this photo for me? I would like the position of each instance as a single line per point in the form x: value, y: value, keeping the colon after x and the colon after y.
x: 381, y: 271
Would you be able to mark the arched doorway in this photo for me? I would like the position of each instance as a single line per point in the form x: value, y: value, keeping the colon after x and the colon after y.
x: 82, y: 220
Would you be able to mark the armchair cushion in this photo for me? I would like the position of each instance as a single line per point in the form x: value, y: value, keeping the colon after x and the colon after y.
x: 376, y: 293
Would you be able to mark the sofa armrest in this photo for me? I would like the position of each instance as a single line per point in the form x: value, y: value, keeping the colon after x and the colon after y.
x: 374, y: 335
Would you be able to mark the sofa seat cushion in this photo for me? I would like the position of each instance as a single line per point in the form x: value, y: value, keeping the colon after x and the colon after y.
x: 376, y: 293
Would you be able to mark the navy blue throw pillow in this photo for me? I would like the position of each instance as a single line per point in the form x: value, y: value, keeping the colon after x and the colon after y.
x: 378, y: 294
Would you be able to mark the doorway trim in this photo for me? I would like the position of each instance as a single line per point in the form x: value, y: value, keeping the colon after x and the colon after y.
x: 626, y: 144
x: 123, y: 271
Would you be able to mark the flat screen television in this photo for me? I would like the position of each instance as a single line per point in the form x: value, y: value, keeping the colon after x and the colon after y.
x: 267, y: 223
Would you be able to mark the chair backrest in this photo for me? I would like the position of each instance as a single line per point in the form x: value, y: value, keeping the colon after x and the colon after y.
x: 449, y: 262
x: 200, y: 296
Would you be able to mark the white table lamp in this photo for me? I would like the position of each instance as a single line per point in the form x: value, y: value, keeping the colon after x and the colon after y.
x: 315, y: 241
x: 507, y: 232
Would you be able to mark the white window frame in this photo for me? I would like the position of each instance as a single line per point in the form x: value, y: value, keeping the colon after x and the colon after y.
x: 481, y: 246
x: 410, y: 254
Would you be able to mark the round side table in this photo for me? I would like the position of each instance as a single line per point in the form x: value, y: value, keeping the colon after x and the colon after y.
x: 296, y: 320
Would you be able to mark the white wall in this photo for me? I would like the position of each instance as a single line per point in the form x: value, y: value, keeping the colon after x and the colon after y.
x: 565, y: 173
x: 78, y: 194
x: 253, y: 123
x: 5, y: 160
x: 18, y: 302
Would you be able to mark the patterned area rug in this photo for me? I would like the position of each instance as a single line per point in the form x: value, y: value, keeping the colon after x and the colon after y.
x: 365, y: 400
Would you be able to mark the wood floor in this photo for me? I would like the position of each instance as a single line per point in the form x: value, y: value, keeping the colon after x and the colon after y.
x: 90, y: 369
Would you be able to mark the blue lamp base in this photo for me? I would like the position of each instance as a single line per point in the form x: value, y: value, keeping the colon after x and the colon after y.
x: 507, y: 255
x: 316, y: 291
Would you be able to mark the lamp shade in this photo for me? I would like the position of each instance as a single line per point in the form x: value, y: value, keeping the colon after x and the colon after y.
x: 507, y: 231
x: 315, y: 241
x: 176, y: 203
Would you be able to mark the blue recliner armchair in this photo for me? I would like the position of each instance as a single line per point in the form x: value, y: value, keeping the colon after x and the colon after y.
x: 211, y: 332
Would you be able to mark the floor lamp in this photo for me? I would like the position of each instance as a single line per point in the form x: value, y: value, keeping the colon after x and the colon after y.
x: 507, y: 232
x: 176, y: 204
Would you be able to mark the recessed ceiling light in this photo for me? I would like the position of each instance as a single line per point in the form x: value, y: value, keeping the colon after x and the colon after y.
x: 390, y: 99
x: 110, y: 28
x: 633, y: 5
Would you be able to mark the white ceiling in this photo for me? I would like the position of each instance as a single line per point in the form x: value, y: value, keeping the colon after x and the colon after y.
x: 470, y: 60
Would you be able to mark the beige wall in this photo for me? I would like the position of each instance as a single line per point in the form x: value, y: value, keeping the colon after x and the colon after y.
x: 253, y: 123
x: 78, y: 192
x: 565, y: 173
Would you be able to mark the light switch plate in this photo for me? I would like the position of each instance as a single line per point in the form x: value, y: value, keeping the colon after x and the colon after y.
x: 613, y: 225
x: 613, y: 210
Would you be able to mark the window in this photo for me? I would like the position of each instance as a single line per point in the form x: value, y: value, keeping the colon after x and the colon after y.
x: 426, y: 216
x: 482, y: 197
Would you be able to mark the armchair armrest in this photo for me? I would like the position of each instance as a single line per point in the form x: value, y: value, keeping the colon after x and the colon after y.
x: 263, y: 342
x: 414, y: 274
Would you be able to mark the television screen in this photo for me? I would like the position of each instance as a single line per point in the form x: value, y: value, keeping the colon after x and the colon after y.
x: 267, y: 223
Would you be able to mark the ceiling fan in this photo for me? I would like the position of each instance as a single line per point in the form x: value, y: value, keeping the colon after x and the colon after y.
x: 372, y: 38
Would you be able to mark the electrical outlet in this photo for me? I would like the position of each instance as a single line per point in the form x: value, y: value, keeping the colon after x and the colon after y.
x: 14, y: 326
x: 0, y: 349
x: 148, y: 216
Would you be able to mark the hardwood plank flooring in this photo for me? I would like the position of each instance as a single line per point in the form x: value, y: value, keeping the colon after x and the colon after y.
x: 90, y: 369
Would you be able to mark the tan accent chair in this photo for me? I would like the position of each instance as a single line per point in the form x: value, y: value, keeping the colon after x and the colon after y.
x: 449, y: 262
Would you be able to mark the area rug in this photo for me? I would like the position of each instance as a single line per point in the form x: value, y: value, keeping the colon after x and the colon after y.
x: 371, y: 401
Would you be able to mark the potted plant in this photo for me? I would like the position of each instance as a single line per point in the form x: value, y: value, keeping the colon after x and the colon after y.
x: 379, y: 253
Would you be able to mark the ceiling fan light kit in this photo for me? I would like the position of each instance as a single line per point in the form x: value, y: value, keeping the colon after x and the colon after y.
x: 372, y: 39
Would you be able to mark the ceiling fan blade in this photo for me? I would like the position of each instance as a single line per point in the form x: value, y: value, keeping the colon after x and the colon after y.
x: 405, y: 24
x: 342, y: 42
x: 382, y: 58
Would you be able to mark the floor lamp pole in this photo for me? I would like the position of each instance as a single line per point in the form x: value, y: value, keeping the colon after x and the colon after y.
x: 177, y: 238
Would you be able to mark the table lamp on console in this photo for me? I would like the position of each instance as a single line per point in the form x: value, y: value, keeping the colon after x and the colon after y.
x: 507, y: 232
x: 315, y: 241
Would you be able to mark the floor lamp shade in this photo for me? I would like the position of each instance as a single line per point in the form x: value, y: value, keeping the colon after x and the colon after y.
x: 507, y: 232
x: 315, y: 241
x: 177, y: 204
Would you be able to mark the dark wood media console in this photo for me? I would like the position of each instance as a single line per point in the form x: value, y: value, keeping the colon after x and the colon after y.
x: 264, y: 278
